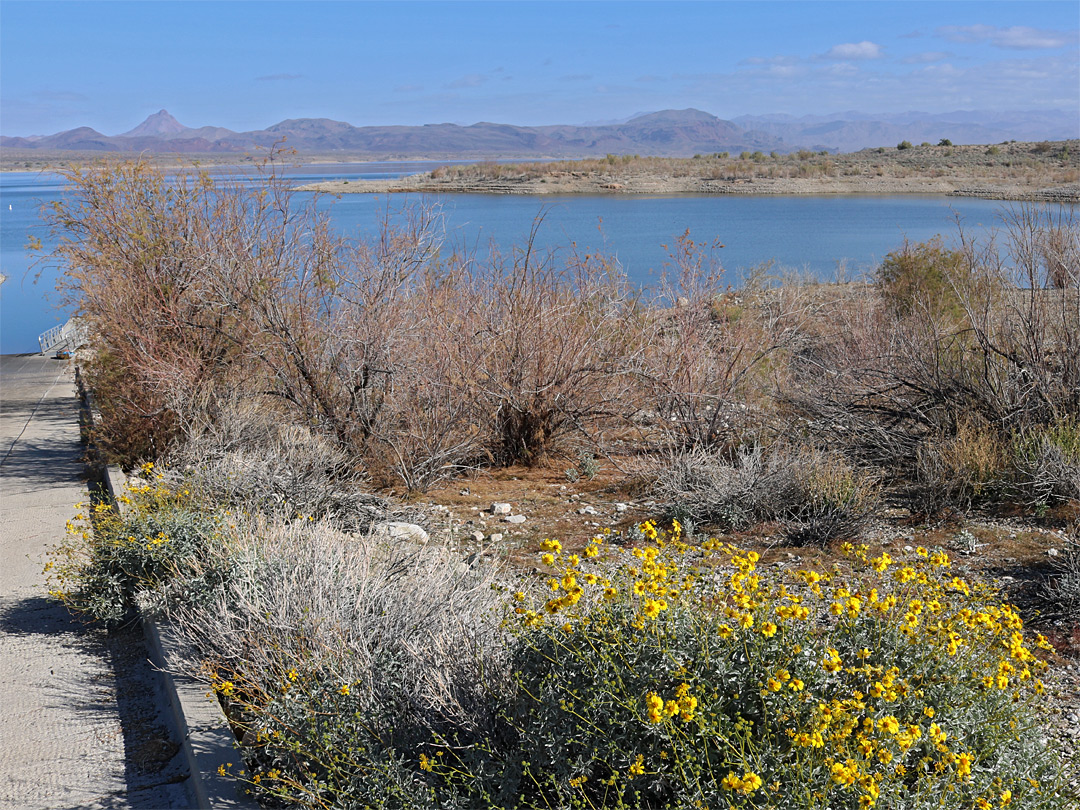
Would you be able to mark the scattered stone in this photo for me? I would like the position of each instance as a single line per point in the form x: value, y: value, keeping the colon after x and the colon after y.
x: 514, y: 519
x: 587, y: 510
x: 501, y: 509
x: 477, y: 536
x: 495, y: 537
x: 1052, y: 552
x: 399, y: 530
x: 621, y: 507
x: 464, y: 492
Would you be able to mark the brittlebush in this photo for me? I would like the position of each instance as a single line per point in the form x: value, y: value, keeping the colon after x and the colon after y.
x: 675, y: 674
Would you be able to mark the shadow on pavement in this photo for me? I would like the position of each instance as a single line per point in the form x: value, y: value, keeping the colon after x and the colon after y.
x: 125, y: 685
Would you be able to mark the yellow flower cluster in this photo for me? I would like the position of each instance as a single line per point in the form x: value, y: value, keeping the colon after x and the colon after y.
x: 746, y: 784
x: 683, y: 704
x: 840, y: 659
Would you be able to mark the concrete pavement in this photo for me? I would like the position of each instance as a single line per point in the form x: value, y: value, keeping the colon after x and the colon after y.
x: 81, y: 720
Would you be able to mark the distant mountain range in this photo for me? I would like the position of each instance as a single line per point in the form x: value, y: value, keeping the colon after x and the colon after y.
x: 670, y: 133
x: 851, y: 131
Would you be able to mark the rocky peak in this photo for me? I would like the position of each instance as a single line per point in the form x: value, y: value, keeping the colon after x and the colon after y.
x: 160, y: 123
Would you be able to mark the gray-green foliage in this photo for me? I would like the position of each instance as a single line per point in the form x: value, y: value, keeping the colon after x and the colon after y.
x: 139, y: 555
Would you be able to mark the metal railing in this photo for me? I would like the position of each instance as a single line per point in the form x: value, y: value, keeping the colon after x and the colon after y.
x: 63, y: 337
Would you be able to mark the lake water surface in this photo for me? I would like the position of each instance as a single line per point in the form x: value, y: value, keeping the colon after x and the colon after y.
x: 807, y: 234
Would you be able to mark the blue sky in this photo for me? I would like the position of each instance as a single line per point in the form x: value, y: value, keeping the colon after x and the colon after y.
x: 246, y: 65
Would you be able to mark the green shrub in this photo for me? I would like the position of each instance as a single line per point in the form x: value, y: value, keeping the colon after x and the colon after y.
x: 109, y: 562
x: 904, y: 145
x: 944, y: 142
x: 684, y: 677
x: 672, y: 675
x: 923, y: 277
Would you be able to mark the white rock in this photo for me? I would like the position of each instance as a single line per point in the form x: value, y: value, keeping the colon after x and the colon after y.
x: 478, y: 537
x: 399, y: 530
x: 587, y: 510
x: 1053, y: 552
x: 514, y: 519
x: 621, y: 507
x: 495, y: 538
x: 500, y: 509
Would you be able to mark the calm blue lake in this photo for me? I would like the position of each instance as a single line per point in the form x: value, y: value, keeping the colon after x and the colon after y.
x: 808, y: 234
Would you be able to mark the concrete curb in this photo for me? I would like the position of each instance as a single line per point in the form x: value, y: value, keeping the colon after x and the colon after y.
x: 207, y: 743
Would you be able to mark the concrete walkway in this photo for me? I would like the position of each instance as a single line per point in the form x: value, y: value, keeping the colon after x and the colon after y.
x: 80, y: 715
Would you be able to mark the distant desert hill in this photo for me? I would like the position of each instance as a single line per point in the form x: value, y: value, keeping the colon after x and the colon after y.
x: 852, y: 130
x: 668, y: 133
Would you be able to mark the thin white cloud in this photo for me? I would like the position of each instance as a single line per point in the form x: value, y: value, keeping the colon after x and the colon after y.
x: 841, y: 70
x: 1016, y: 37
x: 1041, y: 81
x: 855, y: 50
x: 60, y: 95
x: 772, y: 60
x: 927, y: 57
x: 469, y: 80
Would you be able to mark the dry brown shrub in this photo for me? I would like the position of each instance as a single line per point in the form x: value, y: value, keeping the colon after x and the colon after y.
x: 143, y: 254
x: 933, y: 387
x: 708, y: 370
x: 560, y: 345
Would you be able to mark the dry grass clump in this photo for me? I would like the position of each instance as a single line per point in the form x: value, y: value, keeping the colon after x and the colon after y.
x: 248, y: 456
x: 409, y: 627
x: 1061, y: 592
x: 815, y: 496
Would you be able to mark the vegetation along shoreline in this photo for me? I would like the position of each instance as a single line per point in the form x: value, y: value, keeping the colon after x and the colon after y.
x: 1044, y: 171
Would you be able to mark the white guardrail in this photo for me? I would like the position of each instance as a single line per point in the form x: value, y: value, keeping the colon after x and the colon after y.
x: 64, y: 337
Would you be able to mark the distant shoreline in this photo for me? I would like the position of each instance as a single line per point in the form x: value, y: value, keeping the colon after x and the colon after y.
x: 423, y: 184
x: 1046, y: 171
x: 1014, y: 171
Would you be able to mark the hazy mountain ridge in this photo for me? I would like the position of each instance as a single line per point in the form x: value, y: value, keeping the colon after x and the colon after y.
x: 667, y: 133
x: 852, y: 130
